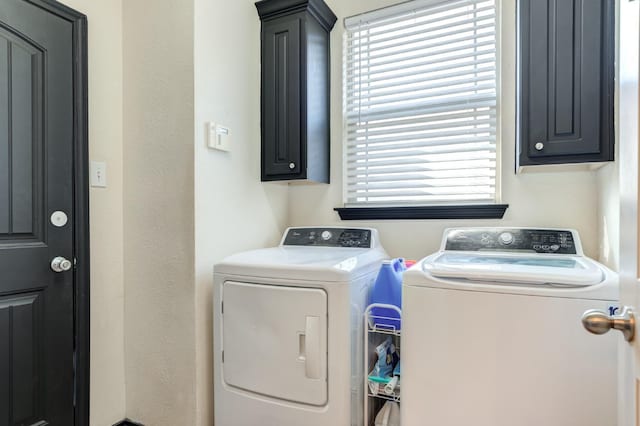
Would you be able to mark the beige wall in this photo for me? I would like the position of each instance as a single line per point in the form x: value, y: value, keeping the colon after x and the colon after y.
x: 158, y: 211
x: 560, y: 199
x: 609, y: 215
x: 105, y: 144
x: 184, y: 207
x: 609, y: 188
x: 234, y: 211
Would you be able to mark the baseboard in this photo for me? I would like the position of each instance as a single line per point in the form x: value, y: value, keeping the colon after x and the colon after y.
x: 127, y: 422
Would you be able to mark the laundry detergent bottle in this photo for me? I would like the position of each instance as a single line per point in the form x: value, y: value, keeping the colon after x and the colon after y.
x: 388, y: 290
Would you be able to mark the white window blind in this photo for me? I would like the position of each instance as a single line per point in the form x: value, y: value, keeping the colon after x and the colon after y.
x: 420, y: 104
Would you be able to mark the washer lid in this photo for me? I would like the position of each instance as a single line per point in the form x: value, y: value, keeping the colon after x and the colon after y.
x: 571, y: 271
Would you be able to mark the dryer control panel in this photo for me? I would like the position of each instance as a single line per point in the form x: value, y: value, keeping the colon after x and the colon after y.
x: 328, y: 237
x: 548, y: 241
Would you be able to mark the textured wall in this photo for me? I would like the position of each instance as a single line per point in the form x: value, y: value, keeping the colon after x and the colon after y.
x: 234, y: 211
x: 609, y: 215
x: 554, y: 199
x: 105, y: 144
x: 183, y: 207
x: 158, y: 211
x: 609, y: 187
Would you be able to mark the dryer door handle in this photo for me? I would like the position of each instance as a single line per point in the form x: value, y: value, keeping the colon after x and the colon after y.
x: 312, y: 348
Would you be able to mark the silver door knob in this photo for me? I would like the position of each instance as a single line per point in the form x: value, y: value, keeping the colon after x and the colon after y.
x: 539, y: 146
x: 598, y: 322
x: 60, y: 264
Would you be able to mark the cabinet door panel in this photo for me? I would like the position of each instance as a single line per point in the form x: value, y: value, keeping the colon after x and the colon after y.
x: 565, y: 81
x: 281, y: 87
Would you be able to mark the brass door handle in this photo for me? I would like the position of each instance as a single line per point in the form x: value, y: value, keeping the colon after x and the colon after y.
x: 598, y: 322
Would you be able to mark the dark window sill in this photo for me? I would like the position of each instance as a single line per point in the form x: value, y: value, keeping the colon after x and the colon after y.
x: 481, y: 211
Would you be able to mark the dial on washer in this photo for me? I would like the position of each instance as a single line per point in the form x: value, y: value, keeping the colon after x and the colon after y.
x: 506, y: 238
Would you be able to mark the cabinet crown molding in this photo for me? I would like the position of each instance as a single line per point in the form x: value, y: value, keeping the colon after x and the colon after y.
x: 268, y: 9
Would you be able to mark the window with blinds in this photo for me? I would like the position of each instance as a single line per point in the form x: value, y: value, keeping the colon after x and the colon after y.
x: 420, y: 104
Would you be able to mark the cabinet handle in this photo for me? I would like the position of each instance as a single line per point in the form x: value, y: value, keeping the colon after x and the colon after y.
x: 539, y: 146
x: 292, y: 166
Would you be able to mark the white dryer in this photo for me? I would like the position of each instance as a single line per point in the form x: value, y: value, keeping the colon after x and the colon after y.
x: 288, y: 329
x: 492, y: 333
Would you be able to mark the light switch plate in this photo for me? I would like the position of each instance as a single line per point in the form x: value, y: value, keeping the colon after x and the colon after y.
x: 98, y: 174
x: 218, y: 137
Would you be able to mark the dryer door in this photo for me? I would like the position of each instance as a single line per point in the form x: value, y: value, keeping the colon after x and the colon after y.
x: 274, y: 341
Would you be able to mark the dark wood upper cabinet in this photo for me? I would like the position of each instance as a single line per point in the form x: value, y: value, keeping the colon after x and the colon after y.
x: 295, y: 89
x: 565, y: 81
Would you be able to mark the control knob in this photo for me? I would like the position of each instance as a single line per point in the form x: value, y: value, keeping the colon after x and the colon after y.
x: 506, y: 238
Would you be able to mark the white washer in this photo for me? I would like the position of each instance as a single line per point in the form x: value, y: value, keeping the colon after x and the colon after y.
x: 492, y: 333
x: 288, y: 329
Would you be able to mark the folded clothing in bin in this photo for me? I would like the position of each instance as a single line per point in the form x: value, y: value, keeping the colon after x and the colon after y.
x: 387, y: 359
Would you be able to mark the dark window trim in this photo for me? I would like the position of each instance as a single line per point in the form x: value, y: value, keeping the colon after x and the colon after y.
x: 475, y: 211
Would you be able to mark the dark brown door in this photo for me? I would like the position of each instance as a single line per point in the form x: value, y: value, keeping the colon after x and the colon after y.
x: 36, y: 195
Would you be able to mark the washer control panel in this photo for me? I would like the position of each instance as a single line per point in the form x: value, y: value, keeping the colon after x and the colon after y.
x: 328, y: 237
x: 549, y: 241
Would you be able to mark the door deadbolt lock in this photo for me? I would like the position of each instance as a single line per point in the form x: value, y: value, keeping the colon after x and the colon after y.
x: 598, y: 322
x: 539, y: 146
x: 60, y: 264
x: 292, y: 166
